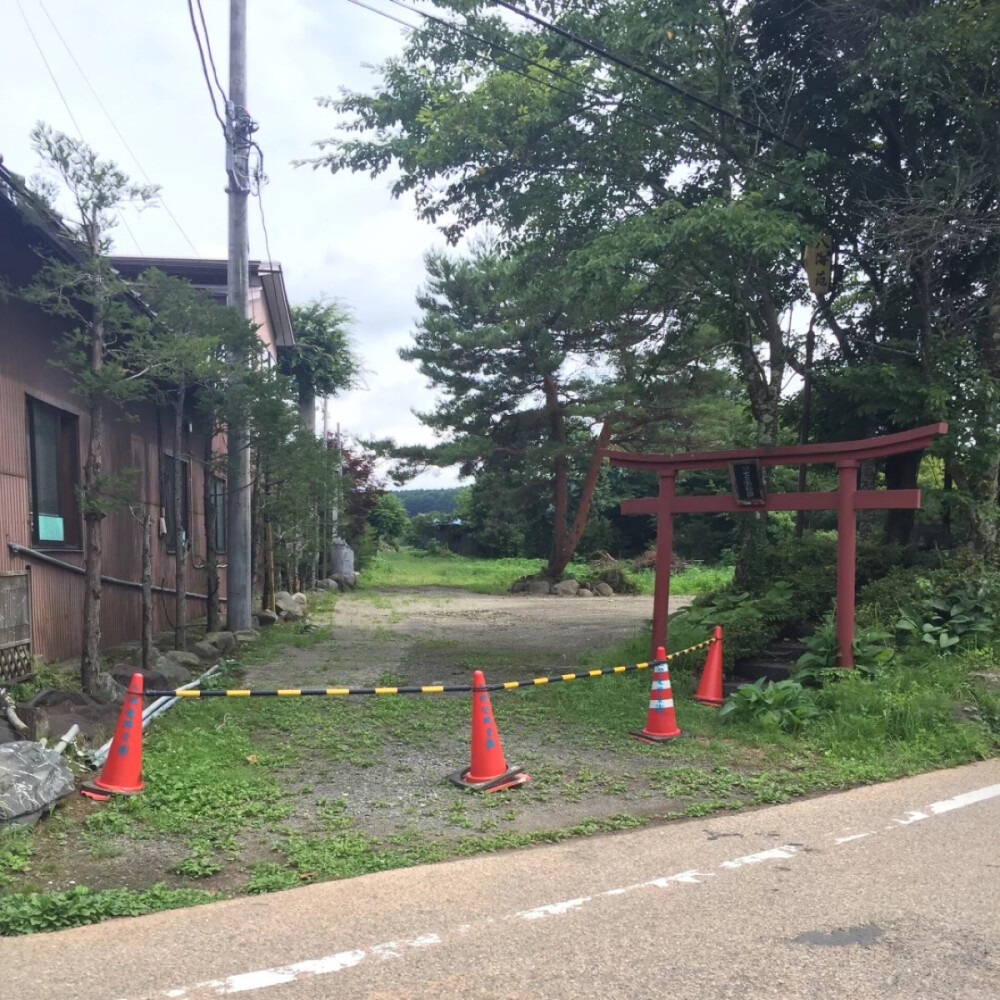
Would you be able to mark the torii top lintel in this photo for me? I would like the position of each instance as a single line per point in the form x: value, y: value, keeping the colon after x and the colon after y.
x: 799, y: 454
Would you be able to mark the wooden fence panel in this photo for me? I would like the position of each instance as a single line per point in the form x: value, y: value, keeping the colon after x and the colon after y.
x: 15, y: 626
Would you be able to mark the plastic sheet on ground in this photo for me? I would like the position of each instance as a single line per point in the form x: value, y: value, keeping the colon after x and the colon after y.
x: 32, y: 779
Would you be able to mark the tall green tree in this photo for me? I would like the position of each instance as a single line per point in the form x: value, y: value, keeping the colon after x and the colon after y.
x: 80, y: 286
x: 899, y: 97
x: 323, y: 361
x: 687, y: 204
x: 513, y: 377
x: 182, y: 352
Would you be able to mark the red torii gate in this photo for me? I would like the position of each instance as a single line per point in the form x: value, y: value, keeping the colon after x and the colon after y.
x: 748, y: 494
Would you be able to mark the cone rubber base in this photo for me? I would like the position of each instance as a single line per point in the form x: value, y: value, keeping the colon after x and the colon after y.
x: 510, y: 778
x: 102, y: 793
x: 644, y: 737
x: 711, y: 702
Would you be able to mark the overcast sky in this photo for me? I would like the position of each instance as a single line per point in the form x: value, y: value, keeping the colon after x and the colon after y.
x: 340, y: 236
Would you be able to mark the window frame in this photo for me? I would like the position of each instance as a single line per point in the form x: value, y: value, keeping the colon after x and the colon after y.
x: 167, y: 497
x: 219, y: 505
x: 67, y: 473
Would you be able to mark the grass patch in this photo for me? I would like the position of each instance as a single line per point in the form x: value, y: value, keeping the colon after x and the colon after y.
x: 414, y: 568
x: 27, y: 913
x: 16, y: 847
x: 258, y: 795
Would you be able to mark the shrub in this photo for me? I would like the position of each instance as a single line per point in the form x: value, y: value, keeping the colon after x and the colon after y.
x: 26, y: 913
x: 750, y: 623
x: 819, y: 664
x: 881, y: 601
x: 944, y: 621
x: 781, y: 704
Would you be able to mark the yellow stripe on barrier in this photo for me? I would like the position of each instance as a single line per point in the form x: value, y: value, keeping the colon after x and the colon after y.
x: 344, y: 692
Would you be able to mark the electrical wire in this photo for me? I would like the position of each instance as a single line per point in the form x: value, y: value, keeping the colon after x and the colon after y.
x: 646, y: 121
x: 260, y: 179
x: 211, y: 57
x: 204, y: 68
x: 114, y: 125
x: 69, y: 110
x: 661, y: 81
x: 52, y: 75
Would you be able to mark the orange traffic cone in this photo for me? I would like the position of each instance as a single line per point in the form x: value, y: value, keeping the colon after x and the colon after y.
x: 710, y: 686
x: 122, y: 773
x: 488, y: 771
x: 661, y: 724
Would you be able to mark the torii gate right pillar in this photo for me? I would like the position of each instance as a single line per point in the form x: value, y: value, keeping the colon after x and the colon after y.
x: 847, y: 547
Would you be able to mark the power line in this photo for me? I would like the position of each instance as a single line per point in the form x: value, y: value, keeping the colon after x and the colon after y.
x: 455, y: 27
x: 204, y: 69
x: 118, y: 132
x: 260, y: 179
x: 582, y: 88
x: 649, y: 75
x: 52, y: 75
x: 69, y: 110
x: 211, y: 57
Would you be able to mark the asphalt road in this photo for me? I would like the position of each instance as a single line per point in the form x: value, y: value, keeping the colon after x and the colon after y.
x: 890, y: 891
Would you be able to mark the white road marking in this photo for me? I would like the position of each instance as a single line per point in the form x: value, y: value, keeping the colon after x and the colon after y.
x: 278, y: 975
x: 965, y: 799
x: 913, y: 816
x: 775, y: 853
x: 553, y: 909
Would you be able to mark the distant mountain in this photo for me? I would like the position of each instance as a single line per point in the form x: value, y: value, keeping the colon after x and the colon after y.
x: 428, y: 501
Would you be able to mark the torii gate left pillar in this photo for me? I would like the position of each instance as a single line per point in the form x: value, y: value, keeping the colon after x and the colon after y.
x: 847, y: 500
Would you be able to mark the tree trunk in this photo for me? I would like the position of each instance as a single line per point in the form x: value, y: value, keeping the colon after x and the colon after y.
x: 868, y: 520
x: 211, y: 555
x: 901, y: 474
x: 558, y: 558
x: 93, y: 516
x: 307, y: 410
x: 146, y: 520
x: 180, y: 541
x: 267, y: 597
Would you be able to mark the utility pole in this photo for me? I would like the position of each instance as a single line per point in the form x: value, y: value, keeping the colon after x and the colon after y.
x: 239, y: 127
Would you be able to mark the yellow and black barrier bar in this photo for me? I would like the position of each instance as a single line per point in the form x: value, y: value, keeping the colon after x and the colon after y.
x: 345, y: 692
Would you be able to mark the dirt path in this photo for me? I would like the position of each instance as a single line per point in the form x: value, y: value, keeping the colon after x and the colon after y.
x: 432, y: 635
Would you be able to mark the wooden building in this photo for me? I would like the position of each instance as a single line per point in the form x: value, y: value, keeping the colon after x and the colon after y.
x: 43, y: 434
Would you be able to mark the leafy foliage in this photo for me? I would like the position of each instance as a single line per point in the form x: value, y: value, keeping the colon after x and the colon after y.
x: 30, y: 913
x: 943, y: 622
x: 782, y: 704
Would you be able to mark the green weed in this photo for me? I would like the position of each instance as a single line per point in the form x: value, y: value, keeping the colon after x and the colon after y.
x: 27, y: 913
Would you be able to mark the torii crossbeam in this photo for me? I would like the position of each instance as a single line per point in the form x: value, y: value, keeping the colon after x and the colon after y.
x: 748, y: 494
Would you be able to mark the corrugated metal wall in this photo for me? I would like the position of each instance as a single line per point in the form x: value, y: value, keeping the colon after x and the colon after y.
x: 27, y: 342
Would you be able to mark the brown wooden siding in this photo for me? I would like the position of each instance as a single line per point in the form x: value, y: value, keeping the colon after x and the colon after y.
x: 28, y: 340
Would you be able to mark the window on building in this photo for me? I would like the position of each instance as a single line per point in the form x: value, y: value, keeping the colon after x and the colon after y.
x: 169, y: 467
x: 217, y: 486
x: 53, y: 476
